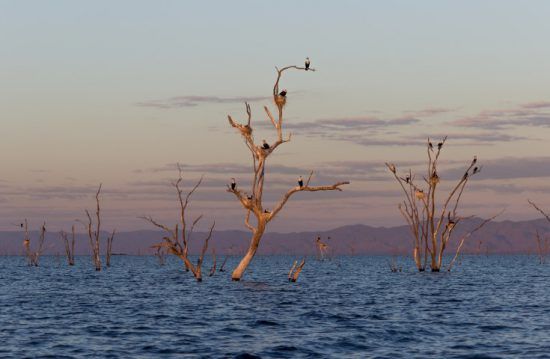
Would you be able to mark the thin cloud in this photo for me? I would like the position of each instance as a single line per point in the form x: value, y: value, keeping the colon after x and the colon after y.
x: 537, y: 105
x: 458, y: 138
x: 430, y: 111
x: 532, y: 114
x: 192, y: 101
x: 345, y: 124
x: 511, y: 168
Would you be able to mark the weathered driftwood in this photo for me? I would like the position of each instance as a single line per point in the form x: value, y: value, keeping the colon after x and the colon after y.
x: 295, y: 270
x: 69, y: 245
x: 252, y: 201
x: 33, y: 256
x: 431, y: 228
x: 177, y: 245
x: 543, y: 244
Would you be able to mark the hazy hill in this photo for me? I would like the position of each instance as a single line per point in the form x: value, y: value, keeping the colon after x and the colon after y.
x: 505, y: 237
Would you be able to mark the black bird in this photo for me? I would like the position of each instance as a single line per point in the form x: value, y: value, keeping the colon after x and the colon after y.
x: 282, y: 93
x: 476, y: 170
x: 430, y: 145
x: 300, y: 182
x: 21, y: 225
x: 407, y: 179
x: 450, y: 223
x: 233, y: 183
x: 265, y: 145
x: 439, y: 145
x: 475, y: 160
x: 307, y: 63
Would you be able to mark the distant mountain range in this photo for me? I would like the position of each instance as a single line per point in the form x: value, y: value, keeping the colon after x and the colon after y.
x: 506, y: 237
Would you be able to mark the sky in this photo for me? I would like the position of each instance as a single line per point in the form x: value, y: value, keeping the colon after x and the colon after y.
x: 119, y: 92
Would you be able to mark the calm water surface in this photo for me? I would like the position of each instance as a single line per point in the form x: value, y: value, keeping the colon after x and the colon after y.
x: 349, y: 307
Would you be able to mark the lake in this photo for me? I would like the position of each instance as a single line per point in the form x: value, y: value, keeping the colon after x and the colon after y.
x: 346, y: 307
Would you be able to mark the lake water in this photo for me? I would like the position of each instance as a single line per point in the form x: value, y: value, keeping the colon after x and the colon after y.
x: 348, y: 307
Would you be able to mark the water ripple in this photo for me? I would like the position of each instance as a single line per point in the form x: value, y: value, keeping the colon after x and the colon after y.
x: 352, y: 307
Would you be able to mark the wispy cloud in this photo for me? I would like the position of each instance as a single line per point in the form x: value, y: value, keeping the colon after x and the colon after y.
x: 194, y: 100
x: 537, y: 105
x: 511, y: 168
x: 429, y: 112
x: 533, y: 114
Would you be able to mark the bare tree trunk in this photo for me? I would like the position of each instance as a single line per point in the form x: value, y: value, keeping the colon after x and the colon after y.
x: 27, y: 243
x: 295, y: 270
x: 109, y: 251
x: 252, y: 248
x: 33, y: 257
x: 69, y: 250
x: 222, y: 267
x: 213, y: 268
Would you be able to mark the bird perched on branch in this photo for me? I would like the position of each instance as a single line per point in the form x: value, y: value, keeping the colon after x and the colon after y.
x: 265, y: 145
x: 233, y: 183
x: 283, y: 93
x: 430, y: 145
x: 300, y: 182
x: 439, y: 145
x: 307, y: 63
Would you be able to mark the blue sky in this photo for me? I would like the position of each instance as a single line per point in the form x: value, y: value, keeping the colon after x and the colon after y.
x: 81, y: 84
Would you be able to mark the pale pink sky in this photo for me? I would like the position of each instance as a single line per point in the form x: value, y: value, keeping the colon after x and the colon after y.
x: 118, y: 94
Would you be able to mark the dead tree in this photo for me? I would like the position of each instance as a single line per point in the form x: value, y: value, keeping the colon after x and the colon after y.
x: 543, y: 245
x: 33, y: 256
x: 468, y: 235
x: 321, y: 249
x: 109, y: 250
x: 252, y: 201
x: 213, y: 268
x: 394, y: 267
x: 431, y: 227
x: 160, y: 253
x: 94, y: 235
x: 177, y: 245
x: 69, y: 245
x: 222, y: 267
x: 295, y: 270
x: 27, y: 242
